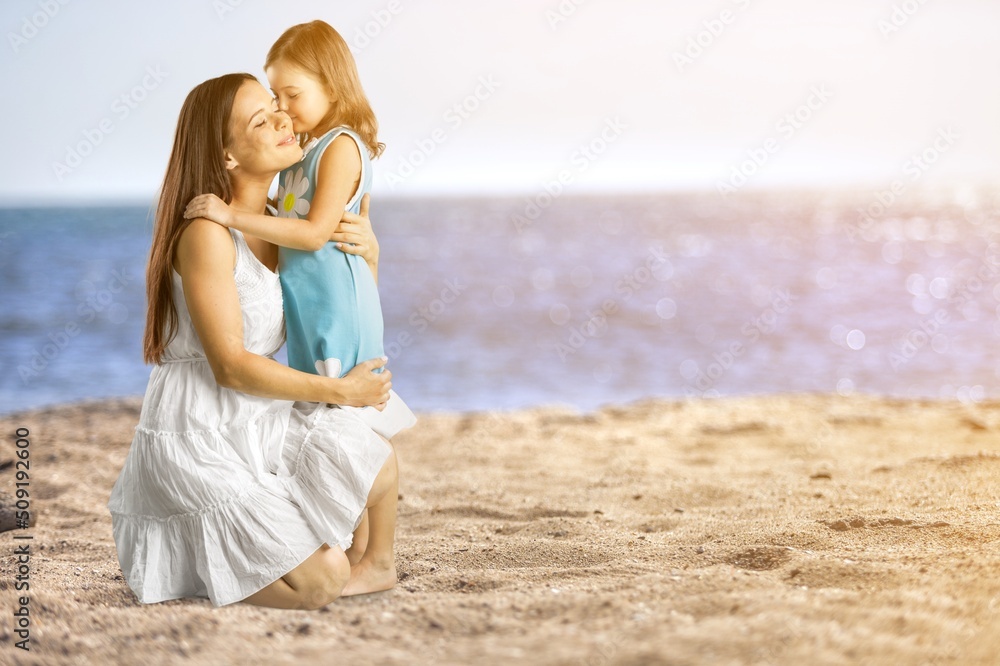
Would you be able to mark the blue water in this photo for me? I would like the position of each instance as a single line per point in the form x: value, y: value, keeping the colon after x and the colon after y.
x: 490, y: 304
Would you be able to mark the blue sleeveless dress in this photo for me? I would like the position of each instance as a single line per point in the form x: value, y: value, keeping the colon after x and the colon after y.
x: 331, y: 302
x: 333, y: 315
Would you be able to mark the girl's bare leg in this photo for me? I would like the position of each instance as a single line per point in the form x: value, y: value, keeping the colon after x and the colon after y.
x: 376, y: 570
x: 360, y: 542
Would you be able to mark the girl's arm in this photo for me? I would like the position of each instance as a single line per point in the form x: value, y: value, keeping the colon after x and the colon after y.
x: 206, y: 256
x: 339, y: 170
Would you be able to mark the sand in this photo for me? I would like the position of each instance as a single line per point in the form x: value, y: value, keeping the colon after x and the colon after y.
x: 799, y: 529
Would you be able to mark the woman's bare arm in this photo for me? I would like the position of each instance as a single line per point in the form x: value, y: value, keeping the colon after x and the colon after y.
x: 206, y: 257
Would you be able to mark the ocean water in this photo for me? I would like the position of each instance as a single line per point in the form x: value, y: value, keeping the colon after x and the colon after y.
x: 510, y: 302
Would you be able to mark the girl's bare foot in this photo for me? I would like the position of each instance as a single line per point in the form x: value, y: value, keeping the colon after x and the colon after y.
x: 370, y: 576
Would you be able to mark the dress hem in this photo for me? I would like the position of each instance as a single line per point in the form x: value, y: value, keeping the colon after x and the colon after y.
x: 225, y: 601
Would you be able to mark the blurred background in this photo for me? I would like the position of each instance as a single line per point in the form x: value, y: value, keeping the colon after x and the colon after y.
x: 580, y: 203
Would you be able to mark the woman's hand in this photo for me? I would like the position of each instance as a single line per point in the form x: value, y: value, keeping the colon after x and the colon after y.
x: 362, y: 387
x: 357, y: 229
x: 211, y: 208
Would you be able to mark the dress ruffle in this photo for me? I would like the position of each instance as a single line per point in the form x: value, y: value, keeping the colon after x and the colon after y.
x: 223, y: 513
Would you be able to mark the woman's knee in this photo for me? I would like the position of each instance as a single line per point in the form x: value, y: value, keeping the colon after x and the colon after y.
x: 323, y: 579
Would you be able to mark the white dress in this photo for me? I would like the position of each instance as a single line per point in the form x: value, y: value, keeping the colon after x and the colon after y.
x: 223, y: 492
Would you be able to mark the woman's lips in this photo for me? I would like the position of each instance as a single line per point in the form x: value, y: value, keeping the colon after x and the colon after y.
x: 288, y: 141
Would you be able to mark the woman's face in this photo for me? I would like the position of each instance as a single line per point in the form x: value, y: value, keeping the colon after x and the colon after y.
x: 300, y: 94
x: 261, y: 137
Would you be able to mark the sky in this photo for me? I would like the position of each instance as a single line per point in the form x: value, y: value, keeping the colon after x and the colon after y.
x: 524, y: 96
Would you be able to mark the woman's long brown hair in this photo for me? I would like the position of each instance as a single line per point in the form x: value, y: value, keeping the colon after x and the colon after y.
x: 196, y: 166
x: 320, y: 50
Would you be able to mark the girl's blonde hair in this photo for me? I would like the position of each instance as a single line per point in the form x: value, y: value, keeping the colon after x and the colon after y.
x: 320, y: 50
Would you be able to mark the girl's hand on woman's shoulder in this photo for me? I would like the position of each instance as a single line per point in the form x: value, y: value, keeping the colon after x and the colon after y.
x: 211, y: 208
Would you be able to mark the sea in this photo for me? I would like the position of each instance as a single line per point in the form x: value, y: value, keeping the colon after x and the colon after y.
x: 578, y: 301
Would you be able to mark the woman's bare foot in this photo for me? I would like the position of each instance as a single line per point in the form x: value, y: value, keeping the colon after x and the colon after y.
x: 370, y: 576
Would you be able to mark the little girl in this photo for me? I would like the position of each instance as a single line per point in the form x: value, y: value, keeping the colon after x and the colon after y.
x: 333, y: 315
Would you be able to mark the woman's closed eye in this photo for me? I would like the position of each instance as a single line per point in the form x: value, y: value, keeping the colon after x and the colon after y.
x: 274, y: 109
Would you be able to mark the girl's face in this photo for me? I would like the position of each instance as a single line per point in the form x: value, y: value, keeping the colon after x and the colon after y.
x: 302, y: 96
x: 261, y: 138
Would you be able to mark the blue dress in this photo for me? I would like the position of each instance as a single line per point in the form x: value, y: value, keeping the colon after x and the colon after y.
x: 333, y: 315
x: 331, y: 301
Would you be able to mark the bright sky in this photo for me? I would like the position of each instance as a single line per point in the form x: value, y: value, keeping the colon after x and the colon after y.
x: 500, y: 97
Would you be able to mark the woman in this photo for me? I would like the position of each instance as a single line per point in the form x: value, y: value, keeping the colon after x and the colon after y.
x: 242, y: 483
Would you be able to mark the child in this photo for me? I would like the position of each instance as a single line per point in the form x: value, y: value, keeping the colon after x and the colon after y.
x: 333, y: 315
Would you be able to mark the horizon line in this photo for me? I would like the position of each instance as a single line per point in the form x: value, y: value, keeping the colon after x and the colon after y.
x: 123, y: 201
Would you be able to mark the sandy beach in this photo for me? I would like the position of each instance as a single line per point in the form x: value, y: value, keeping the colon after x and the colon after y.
x: 796, y: 529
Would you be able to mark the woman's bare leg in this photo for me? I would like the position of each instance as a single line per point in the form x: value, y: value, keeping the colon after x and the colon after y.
x: 376, y: 570
x: 278, y: 594
x: 360, y: 541
x: 311, y: 585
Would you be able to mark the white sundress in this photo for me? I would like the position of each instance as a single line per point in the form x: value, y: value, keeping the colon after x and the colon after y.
x: 223, y: 492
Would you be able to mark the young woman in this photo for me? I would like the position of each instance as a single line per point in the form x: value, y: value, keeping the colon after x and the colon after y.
x: 242, y: 482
